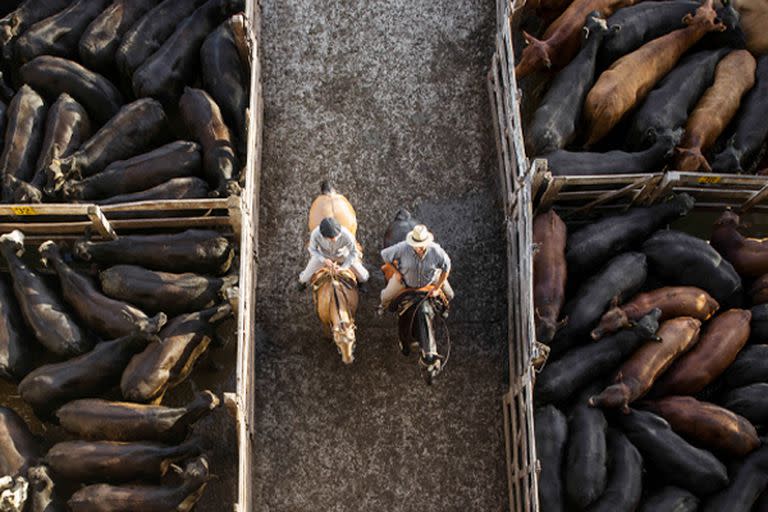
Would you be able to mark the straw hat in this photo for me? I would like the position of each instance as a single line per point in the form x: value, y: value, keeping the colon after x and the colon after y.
x: 419, y: 237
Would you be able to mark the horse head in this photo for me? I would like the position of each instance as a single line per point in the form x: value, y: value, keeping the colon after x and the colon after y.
x: 336, y: 303
x: 344, y: 338
x: 424, y: 332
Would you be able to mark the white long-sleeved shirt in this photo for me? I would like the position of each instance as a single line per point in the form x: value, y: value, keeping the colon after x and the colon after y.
x: 343, y: 250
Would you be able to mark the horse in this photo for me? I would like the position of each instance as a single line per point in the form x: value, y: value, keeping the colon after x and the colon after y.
x: 416, y: 309
x: 335, y: 291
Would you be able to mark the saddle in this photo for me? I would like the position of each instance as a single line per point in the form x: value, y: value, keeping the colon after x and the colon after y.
x: 412, y: 296
x: 346, y: 277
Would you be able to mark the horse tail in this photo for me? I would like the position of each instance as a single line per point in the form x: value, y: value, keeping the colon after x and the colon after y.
x: 327, y: 188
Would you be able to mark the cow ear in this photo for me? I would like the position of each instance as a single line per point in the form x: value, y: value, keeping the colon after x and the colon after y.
x: 688, y: 19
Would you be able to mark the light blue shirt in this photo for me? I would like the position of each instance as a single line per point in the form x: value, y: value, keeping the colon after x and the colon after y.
x: 418, y: 272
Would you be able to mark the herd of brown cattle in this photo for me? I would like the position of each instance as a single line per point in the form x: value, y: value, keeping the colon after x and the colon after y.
x: 601, y: 129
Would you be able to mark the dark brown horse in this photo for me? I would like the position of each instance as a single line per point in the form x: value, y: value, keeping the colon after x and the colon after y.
x: 417, y: 311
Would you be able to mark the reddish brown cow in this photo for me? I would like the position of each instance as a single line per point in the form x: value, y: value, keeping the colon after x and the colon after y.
x: 749, y: 256
x: 549, y: 273
x: 718, y: 347
x: 631, y: 78
x: 673, y: 301
x: 734, y: 76
x: 562, y: 39
x: 707, y: 425
x: 637, y: 375
x: 754, y: 19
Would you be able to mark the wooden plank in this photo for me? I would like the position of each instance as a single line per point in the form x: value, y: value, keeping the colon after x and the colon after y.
x: 614, y: 195
x: 172, y: 223
x: 646, y: 194
x: 515, y: 452
x: 538, y: 170
x: 514, y: 100
x: 100, y: 223
x: 44, y: 209
x: 722, y: 179
x: 756, y: 198
x: 508, y: 447
x: 507, y: 161
x: 168, y: 205
x: 502, y: 151
x: 533, y: 458
x: 551, y: 190
x: 511, y: 103
x: 42, y: 228
x: 249, y: 211
x: 527, y: 313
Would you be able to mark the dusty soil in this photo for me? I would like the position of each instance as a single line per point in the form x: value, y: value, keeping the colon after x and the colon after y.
x: 388, y: 100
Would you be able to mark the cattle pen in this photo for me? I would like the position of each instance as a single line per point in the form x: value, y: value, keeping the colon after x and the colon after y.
x: 528, y: 188
x: 227, y: 436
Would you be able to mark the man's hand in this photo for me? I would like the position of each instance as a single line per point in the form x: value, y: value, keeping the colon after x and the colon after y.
x: 434, y: 292
x: 329, y: 263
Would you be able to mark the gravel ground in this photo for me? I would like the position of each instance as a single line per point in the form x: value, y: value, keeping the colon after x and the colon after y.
x: 388, y: 100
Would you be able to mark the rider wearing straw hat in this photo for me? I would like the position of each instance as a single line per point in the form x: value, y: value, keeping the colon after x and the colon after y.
x: 420, y: 262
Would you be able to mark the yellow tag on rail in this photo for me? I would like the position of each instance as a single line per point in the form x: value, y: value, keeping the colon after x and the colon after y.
x: 710, y: 179
x: 23, y: 210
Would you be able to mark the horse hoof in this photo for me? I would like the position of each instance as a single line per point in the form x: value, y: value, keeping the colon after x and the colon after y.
x: 404, y: 349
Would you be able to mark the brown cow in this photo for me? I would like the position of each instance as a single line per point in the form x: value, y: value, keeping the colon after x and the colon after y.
x: 734, y: 76
x: 631, y: 78
x: 717, y: 348
x: 707, y: 425
x: 754, y: 19
x: 636, y: 376
x: 549, y: 273
x: 749, y: 256
x: 562, y: 39
x: 673, y: 301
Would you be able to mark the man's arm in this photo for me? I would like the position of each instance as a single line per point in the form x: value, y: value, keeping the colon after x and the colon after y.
x: 439, y: 284
x: 314, y: 244
x: 351, y: 244
x: 391, y: 253
x: 445, y: 268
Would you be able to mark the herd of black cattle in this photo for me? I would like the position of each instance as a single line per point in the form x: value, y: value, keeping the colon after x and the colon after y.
x: 655, y: 393
x: 100, y: 341
x: 112, y: 101
x: 655, y: 85
x: 122, y: 100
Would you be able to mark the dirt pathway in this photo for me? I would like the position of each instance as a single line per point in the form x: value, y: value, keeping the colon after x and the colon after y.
x: 388, y: 99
